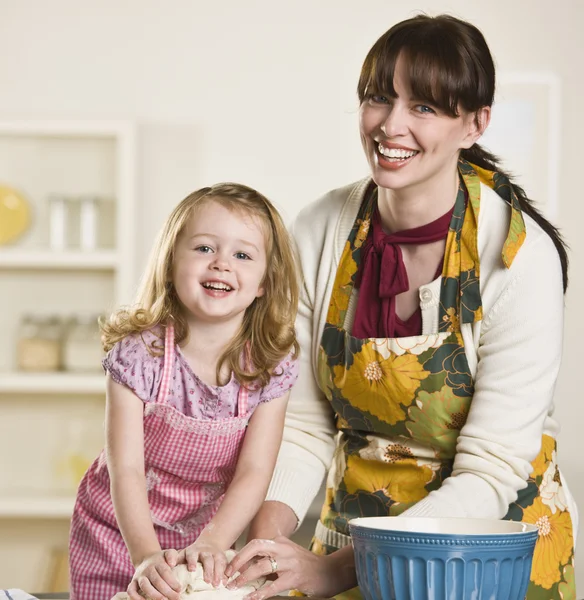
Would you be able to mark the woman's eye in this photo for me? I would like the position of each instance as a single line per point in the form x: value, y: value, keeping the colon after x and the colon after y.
x: 378, y: 99
x: 425, y: 109
x: 242, y: 256
x: 203, y: 249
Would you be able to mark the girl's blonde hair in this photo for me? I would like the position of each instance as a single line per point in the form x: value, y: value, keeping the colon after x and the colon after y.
x: 267, y: 333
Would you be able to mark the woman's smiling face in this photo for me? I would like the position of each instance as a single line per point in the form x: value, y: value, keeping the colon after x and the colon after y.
x: 409, y: 143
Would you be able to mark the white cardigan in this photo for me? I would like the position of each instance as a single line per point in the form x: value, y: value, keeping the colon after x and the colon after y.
x: 514, y: 356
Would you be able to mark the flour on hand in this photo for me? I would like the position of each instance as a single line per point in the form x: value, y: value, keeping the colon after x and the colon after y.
x: 194, y: 587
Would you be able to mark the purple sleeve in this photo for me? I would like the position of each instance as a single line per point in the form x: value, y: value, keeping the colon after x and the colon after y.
x: 286, y: 374
x: 130, y: 364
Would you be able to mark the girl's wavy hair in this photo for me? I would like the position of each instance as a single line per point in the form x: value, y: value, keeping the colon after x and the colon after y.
x: 267, y: 333
x: 449, y: 66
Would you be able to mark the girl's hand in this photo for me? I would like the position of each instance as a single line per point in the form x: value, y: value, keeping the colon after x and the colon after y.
x: 211, y: 557
x: 296, y: 568
x: 154, y: 579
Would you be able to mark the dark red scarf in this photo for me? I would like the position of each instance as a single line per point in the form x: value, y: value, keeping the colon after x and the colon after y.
x: 382, y: 276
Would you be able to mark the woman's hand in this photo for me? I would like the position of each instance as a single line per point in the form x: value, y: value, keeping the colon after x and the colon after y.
x: 211, y: 556
x: 295, y: 567
x: 154, y: 579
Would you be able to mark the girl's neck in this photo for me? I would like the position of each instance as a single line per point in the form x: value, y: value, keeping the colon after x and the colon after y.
x: 408, y: 208
x: 205, y: 345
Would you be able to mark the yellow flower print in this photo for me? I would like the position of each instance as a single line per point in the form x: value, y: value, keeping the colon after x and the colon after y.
x: 381, y: 386
x: 554, y: 544
x: 318, y: 549
x: 452, y: 316
x: 437, y: 418
x: 403, y: 482
x: 362, y: 233
x: 342, y: 287
x: 451, y: 257
x: 325, y: 376
x: 540, y: 464
x: 485, y: 176
x: 515, y: 238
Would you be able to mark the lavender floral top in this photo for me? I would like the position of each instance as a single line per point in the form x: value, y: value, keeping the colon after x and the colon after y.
x: 131, y: 364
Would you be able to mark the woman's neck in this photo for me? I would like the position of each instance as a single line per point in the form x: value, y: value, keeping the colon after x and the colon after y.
x: 412, y: 207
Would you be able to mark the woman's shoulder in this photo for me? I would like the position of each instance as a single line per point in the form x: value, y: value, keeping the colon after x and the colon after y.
x: 536, y: 263
x: 332, y: 204
x: 494, y: 223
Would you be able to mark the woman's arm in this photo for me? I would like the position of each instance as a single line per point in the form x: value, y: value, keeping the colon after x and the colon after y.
x: 246, y: 491
x: 125, y: 459
x: 297, y: 568
x: 519, y: 357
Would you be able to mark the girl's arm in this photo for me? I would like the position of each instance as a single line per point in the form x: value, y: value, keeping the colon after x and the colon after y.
x: 246, y: 492
x: 125, y: 459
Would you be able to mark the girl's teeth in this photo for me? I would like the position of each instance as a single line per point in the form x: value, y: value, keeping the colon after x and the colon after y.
x: 395, y: 152
x: 217, y: 286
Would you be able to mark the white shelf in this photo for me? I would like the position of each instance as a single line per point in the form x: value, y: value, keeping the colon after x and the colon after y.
x: 52, y: 383
x: 50, y: 259
x: 36, y: 507
x: 115, y: 129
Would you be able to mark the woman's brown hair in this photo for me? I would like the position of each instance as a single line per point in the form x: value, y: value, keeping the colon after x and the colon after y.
x: 267, y: 333
x: 449, y: 65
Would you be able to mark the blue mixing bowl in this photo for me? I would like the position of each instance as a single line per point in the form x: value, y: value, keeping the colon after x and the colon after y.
x: 416, y: 558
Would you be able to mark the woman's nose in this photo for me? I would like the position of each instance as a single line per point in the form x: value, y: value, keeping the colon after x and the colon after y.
x: 395, y: 123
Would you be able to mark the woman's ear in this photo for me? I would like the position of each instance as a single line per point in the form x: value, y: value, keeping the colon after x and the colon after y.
x: 476, y: 125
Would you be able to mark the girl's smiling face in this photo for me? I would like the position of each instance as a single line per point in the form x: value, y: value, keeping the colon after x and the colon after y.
x: 219, y: 264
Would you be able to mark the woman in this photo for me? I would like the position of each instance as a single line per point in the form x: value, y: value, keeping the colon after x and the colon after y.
x: 431, y: 326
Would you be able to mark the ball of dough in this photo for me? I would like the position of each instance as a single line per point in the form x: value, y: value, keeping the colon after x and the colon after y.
x: 194, y: 587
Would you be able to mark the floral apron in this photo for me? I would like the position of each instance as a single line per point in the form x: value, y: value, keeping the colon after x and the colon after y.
x: 189, y: 464
x: 400, y: 403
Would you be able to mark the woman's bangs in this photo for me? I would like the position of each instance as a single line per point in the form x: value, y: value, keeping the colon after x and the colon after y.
x: 433, y: 78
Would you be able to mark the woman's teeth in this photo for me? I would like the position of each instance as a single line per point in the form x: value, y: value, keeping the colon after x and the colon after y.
x: 223, y: 287
x: 395, y: 153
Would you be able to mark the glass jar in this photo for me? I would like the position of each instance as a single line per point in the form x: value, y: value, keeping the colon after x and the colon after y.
x: 82, y: 345
x: 39, y: 344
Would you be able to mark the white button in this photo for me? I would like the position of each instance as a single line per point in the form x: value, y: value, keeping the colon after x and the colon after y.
x: 426, y: 295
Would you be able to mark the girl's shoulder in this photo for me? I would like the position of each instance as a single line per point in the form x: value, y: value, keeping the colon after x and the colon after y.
x: 282, y: 380
x: 136, y: 362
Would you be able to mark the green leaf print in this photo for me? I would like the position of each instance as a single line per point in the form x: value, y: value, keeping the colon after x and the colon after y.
x: 438, y: 420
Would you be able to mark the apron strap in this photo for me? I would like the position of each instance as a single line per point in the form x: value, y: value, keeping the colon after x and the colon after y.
x: 243, y: 395
x: 168, y: 364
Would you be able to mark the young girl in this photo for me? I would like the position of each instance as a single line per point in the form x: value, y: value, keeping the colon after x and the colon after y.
x: 198, y: 376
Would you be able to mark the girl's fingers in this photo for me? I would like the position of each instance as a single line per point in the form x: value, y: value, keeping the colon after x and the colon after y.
x: 206, y: 559
x: 192, y: 558
x: 171, y: 557
x: 133, y: 592
x: 170, y: 581
x: 148, y: 589
x: 219, y: 569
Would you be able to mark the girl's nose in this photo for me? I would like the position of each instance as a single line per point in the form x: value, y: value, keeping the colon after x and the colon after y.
x: 220, y: 262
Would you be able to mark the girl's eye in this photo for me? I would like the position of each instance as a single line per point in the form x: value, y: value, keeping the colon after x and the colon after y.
x: 242, y: 256
x: 203, y: 249
x: 425, y: 109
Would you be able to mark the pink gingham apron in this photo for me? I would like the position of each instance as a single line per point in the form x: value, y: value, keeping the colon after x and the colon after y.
x: 189, y: 463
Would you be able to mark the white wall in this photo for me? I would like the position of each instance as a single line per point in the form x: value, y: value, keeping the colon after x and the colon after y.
x: 263, y: 92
